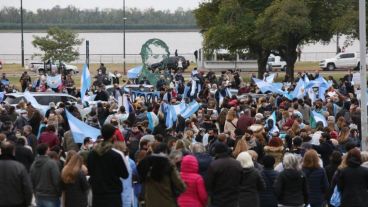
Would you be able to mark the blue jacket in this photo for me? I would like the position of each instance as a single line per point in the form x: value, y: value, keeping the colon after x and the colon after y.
x: 317, y: 185
x: 268, y: 197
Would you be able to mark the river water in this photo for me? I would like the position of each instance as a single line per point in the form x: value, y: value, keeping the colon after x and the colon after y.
x: 108, y: 46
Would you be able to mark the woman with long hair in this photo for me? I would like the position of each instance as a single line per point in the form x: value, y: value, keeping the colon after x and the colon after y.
x: 241, y: 146
x: 74, y: 183
x: 231, y: 123
x: 344, y: 139
x: 317, y: 182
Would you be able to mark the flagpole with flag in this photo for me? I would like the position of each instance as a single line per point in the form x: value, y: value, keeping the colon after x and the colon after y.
x: 85, y: 81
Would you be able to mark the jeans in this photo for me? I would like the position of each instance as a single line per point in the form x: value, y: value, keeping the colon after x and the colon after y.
x: 47, y: 202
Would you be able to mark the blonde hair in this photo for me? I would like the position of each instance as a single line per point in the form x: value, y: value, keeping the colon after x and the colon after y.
x: 344, y: 135
x: 69, y: 155
x: 245, y: 160
x: 343, y: 163
x: 241, y: 146
x: 72, y: 169
x: 231, y: 115
x: 364, y: 155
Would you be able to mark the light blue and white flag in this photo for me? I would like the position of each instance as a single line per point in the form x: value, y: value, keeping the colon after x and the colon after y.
x: 54, y: 81
x: 273, y: 118
x: 127, y: 104
x: 319, y: 117
x: 193, y: 88
x: 81, y: 130
x: 319, y: 83
x: 31, y: 99
x: 1, y: 96
x: 186, y: 89
x: 190, y: 109
x: 270, y: 78
x: 271, y: 87
x: 85, y: 81
x: 170, y: 115
x: 299, y: 90
x: 5, y: 82
x: 179, y: 108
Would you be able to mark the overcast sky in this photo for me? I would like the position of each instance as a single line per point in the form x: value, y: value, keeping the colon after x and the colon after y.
x: 89, y: 4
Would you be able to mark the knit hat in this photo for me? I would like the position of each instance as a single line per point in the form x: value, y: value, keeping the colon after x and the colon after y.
x: 268, y: 161
x: 220, y: 148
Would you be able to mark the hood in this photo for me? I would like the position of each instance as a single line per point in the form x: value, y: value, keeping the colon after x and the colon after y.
x: 41, y: 160
x: 247, y: 171
x: 102, y: 148
x: 189, y: 164
x: 292, y: 174
x: 353, y: 162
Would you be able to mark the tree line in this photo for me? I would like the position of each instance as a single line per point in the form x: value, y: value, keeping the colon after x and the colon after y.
x: 74, y: 18
x: 274, y: 26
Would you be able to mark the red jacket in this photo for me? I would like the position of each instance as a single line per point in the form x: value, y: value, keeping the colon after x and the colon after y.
x: 119, y: 136
x: 195, y: 194
x: 49, y: 138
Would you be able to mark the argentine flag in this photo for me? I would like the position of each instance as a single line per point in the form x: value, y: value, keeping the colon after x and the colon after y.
x: 316, y: 117
x: 191, y: 108
x: 53, y: 81
x: 299, y: 89
x: 85, y: 81
x: 31, y: 99
x: 81, y: 130
x: 270, y: 78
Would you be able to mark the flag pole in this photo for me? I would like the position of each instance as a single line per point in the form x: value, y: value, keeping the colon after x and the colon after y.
x: 363, y: 73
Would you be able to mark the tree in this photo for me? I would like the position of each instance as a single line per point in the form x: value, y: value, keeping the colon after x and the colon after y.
x: 230, y: 24
x: 287, y: 24
x: 59, y: 44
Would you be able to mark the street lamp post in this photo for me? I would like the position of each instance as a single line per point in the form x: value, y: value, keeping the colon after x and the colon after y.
x: 21, y: 28
x: 363, y: 73
x: 124, y: 36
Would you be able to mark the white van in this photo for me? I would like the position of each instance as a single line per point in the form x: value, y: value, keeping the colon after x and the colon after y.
x: 276, y: 62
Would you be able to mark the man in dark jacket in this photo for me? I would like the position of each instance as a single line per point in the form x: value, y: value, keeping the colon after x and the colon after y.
x: 101, y: 94
x: 16, y: 187
x: 204, y: 159
x: 223, y: 178
x: 325, y: 148
x: 106, y: 166
x: 45, y: 178
x: 268, y: 197
x: 23, y: 154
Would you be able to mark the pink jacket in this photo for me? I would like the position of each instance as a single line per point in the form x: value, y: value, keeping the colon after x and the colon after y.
x: 195, y: 194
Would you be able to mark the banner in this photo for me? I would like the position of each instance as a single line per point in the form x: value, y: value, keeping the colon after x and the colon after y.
x: 53, y: 81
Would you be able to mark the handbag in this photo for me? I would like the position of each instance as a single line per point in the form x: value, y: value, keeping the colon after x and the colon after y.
x: 336, y: 197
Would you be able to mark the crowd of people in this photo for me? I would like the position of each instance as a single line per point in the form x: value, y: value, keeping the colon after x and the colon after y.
x: 229, y: 153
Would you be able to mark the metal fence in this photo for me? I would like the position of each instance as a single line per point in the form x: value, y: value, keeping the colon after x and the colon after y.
x: 136, y: 58
x: 93, y: 58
